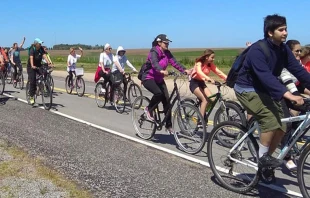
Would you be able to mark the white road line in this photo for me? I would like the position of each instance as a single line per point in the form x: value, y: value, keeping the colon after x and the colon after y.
x: 204, y: 163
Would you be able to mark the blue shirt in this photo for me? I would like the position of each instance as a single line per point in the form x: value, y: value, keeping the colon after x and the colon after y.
x: 261, y: 75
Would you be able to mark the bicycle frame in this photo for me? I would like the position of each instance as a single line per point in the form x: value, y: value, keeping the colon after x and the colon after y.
x: 176, y: 98
x: 304, y: 126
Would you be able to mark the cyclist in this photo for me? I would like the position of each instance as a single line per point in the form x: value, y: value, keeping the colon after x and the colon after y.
x: 15, y: 59
x: 47, y: 55
x: 203, y: 66
x: 105, y: 62
x: 36, y: 54
x: 71, y: 63
x: 120, y: 60
x: 153, y: 75
x: 259, y: 91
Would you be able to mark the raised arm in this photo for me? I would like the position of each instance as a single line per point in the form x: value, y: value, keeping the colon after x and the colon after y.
x: 21, y: 45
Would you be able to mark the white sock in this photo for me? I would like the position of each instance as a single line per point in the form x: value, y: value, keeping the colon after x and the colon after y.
x: 262, y: 150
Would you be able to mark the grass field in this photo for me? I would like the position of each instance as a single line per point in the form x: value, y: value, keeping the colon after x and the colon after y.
x: 223, y: 57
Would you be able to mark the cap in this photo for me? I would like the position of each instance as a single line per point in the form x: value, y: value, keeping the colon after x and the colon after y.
x: 163, y: 37
x: 107, y: 46
x: 37, y: 40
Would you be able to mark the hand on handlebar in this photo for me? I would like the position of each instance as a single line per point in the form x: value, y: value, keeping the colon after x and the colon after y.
x: 297, y: 100
x: 164, y: 72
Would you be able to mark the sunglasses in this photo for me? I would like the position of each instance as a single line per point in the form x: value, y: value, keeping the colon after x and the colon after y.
x: 298, y: 51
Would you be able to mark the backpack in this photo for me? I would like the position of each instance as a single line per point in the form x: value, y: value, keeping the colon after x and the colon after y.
x: 238, y: 63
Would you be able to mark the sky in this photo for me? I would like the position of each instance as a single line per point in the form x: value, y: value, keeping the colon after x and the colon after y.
x: 135, y: 23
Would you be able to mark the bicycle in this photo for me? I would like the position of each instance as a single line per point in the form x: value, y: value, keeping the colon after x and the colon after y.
x: 226, y: 106
x: 236, y: 155
x: 180, y: 119
x: 77, y: 82
x: 19, y: 79
x: 42, y: 87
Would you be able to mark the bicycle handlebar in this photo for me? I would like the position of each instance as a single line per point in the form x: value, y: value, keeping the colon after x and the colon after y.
x: 306, y: 102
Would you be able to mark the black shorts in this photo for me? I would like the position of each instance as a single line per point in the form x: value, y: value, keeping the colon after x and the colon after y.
x: 193, y: 84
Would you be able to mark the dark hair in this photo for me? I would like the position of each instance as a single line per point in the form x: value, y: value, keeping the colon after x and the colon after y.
x: 272, y: 22
x: 14, y: 44
x: 292, y: 43
x: 154, y: 43
x: 205, y: 54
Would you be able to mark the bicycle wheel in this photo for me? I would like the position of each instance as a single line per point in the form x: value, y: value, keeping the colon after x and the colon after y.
x: 303, y: 172
x: 139, y: 118
x: 107, y: 93
x: 50, y: 80
x: 190, y: 101
x: 188, y: 136
x: 47, y: 95
x: 99, y: 95
x: 134, y: 91
x: 9, y: 76
x: 231, y: 113
x: 2, y: 83
x: 21, y: 81
x: 234, y: 176
x: 119, y: 99
x: 80, y: 86
x: 69, y: 88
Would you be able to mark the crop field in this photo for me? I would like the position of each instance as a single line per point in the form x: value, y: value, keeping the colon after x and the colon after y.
x: 223, y: 57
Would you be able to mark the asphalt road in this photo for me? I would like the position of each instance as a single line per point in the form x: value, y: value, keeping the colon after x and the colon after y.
x: 109, y: 165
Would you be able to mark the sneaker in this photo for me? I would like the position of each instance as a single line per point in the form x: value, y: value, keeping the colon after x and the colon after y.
x: 170, y: 130
x: 268, y: 161
x: 103, y: 90
x: 31, y: 100
x: 148, y: 115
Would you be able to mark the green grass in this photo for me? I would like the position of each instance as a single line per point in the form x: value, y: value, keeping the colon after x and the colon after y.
x: 223, y: 59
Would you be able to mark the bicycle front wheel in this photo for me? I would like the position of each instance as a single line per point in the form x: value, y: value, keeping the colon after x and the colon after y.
x: 303, y: 172
x: 134, y: 91
x: 190, y: 138
x: 50, y: 80
x: 80, y: 86
x: 21, y: 81
x: 47, y: 95
x: 235, y: 170
x: 68, y: 87
x: 119, y: 99
x: 144, y: 128
x: 99, y: 94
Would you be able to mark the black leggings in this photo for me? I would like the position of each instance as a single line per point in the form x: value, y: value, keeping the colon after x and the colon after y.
x: 161, y: 94
x: 20, y: 69
x: 70, y: 77
x: 106, y: 77
x: 32, y: 78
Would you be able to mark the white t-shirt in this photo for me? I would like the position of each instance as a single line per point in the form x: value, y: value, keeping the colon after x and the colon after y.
x: 72, y: 61
x: 106, y: 59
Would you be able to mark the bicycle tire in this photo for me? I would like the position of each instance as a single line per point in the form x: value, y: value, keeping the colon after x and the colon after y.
x: 134, y: 107
x: 50, y: 80
x: 190, y: 101
x: 213, y: 136
x: 134, y: 89
x: 97, y: 94
x: 77, y: 86
x: 229, y: 105
x: 21, y: 81
x: 119, y: 92
x: 2, y: 82
x: 68, y: 89
x: 177, y: 117
x: 47, y: 104
x: 300, y: 173
x: 107, y: 93
x: 27, y: 92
